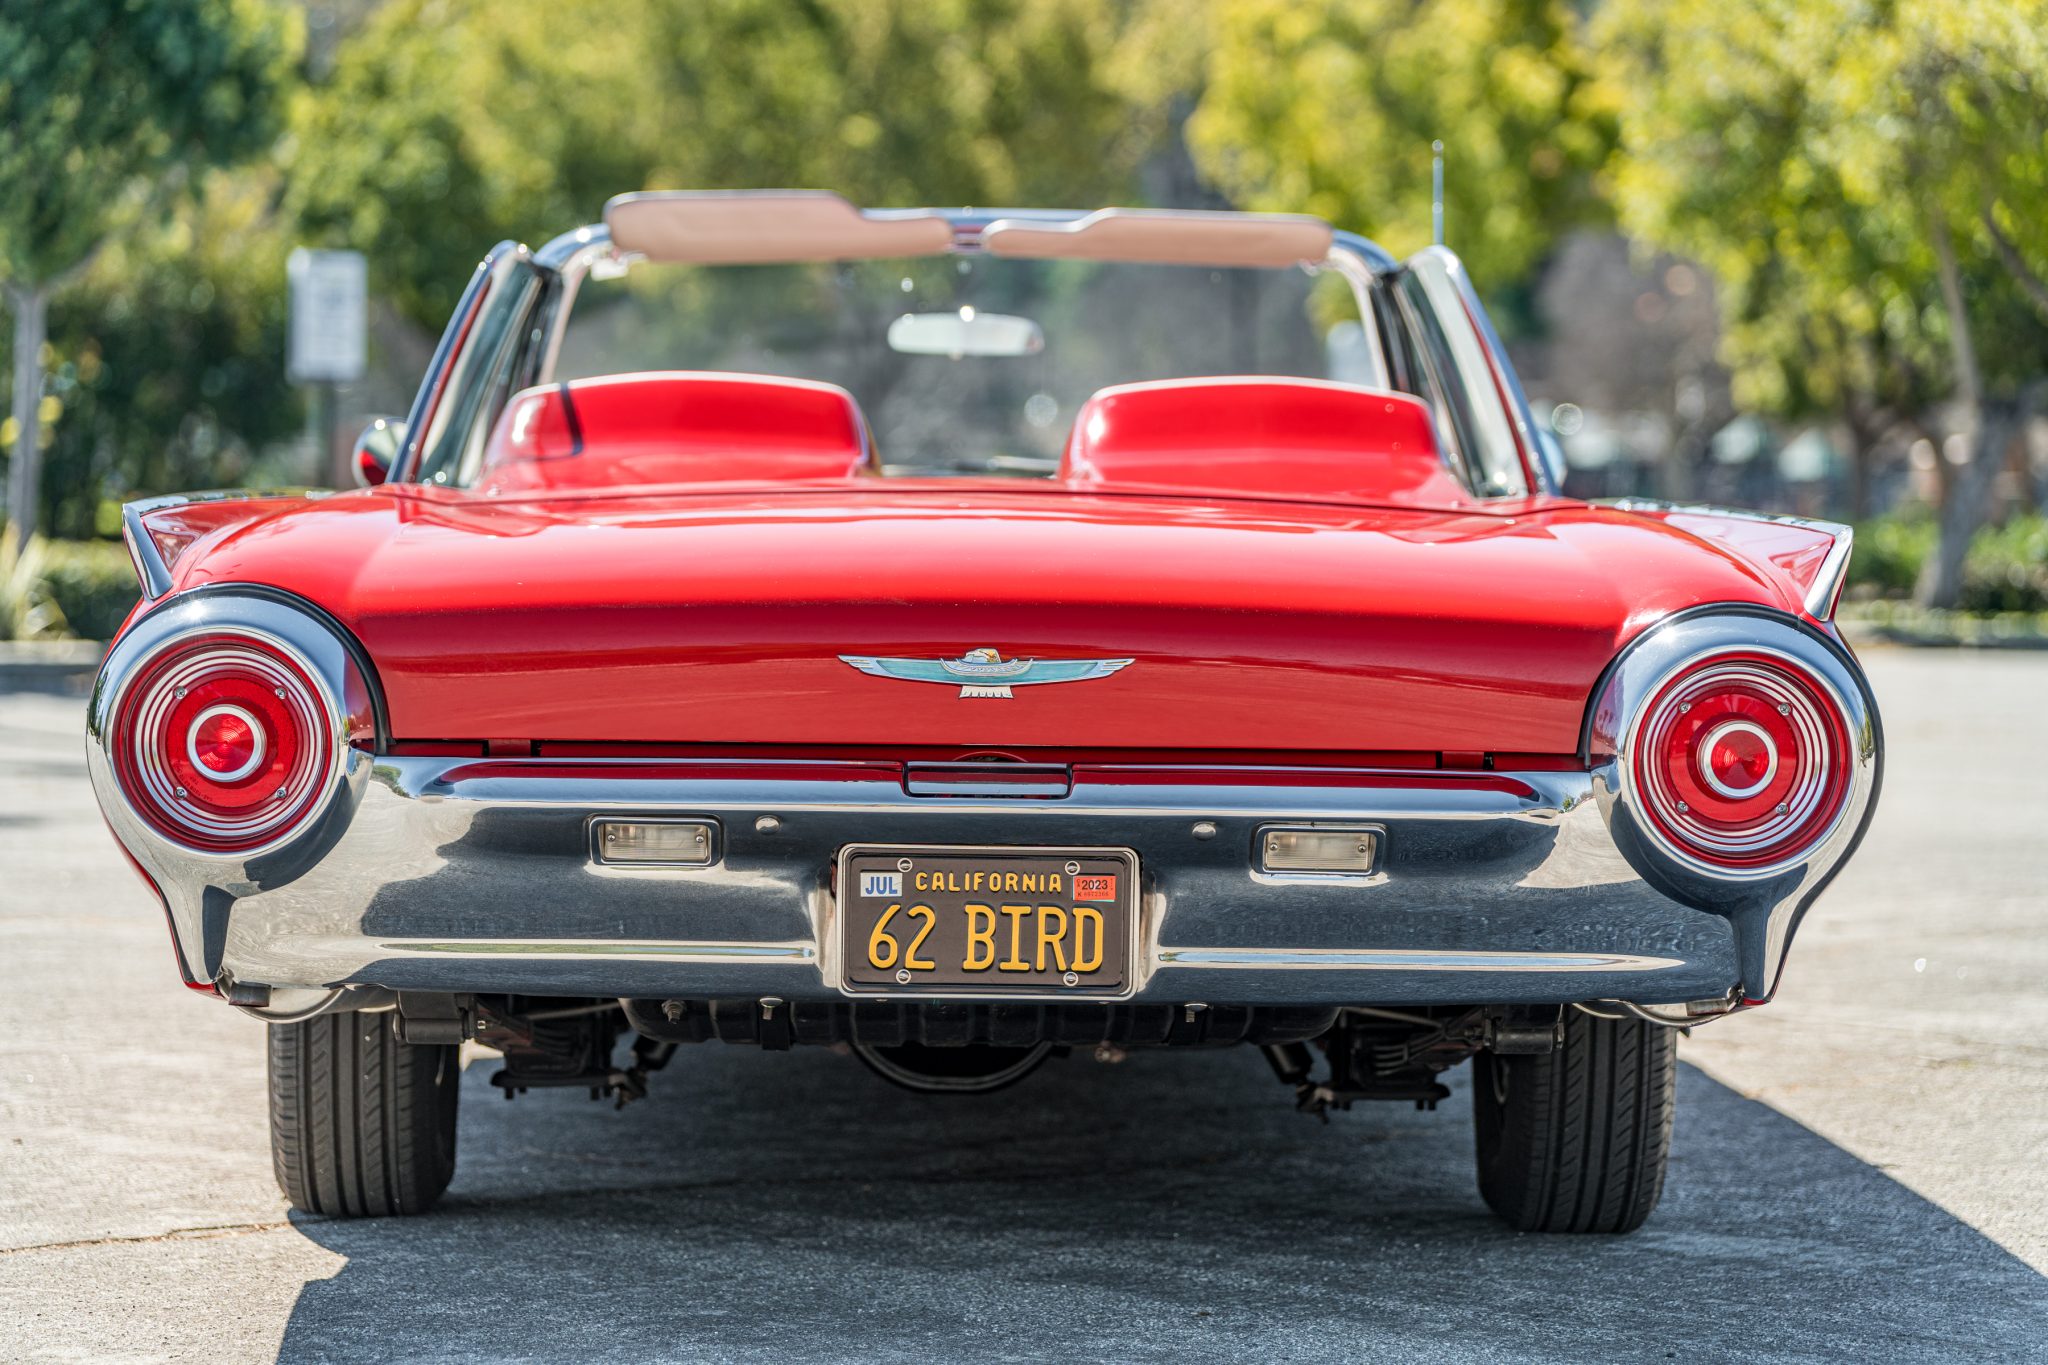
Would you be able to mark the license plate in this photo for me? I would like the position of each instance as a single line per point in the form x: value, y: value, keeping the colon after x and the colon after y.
x: 987, y: 920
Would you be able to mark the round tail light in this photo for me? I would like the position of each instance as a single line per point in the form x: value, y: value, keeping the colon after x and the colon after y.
x: 224, y: 743
x: 1741, y: 762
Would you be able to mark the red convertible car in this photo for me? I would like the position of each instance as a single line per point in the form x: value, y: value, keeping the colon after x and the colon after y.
x: 960, y: 637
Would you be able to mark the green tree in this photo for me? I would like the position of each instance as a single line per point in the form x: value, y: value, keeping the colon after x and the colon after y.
x: 1330, y: 107
x: 164, y: 368
x: 452, y: 122
x: 1867, y: 182
x: 107, y: 108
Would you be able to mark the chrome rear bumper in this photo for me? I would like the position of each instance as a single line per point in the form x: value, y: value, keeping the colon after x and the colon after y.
x: 477, y: 875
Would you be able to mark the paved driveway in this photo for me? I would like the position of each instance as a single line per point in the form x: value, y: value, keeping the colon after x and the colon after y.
x: 1859, y: 1169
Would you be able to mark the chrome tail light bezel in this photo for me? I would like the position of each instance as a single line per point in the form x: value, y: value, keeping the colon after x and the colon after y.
x: 155, y: 784
x: 1690, y: 642
x: 340, y: 701
x: 1816, y: 798
x: 1770, y: 897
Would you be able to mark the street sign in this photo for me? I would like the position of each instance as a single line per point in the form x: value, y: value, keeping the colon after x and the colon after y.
x: 329, y: 328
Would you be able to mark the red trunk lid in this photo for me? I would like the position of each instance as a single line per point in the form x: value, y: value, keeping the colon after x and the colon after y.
x: 720, y: 616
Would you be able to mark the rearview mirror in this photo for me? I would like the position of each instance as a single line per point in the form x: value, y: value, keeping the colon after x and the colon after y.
x: 377, y: 450
x: 965, y: 333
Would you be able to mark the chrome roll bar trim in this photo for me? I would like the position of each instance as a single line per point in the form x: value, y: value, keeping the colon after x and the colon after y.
x: 345, y: 695
x: 1781, y: 891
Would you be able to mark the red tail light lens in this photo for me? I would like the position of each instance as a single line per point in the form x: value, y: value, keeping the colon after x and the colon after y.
x: 1742, y: 762
x: 224, y: 743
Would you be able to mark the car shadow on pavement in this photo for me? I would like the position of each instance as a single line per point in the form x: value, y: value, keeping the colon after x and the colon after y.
x: 793, y: 1207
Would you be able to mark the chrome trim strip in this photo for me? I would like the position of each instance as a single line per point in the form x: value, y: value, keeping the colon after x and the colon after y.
x: 1411, y: 960
x: 694, y: 950
x: 1833, y: 572
x: 1452, y: 304
x: 150, y: 568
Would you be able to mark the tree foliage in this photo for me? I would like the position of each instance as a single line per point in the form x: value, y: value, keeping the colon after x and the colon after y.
x: 108, y: 105
x: 109, y: 111
x: 165, y: 363
x: 1867, y: 182
x: 1330, y: 107
x: 451, y: 122
x: 1805, y: 152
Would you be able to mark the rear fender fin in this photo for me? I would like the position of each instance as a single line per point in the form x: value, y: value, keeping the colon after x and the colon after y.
x: 1807, y: 558
x: 162, y: 533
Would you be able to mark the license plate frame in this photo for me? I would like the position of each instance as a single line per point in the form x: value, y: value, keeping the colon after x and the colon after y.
x: 855, y: 917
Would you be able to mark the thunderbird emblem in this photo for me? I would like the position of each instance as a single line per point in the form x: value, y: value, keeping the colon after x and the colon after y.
x: 985, y: 672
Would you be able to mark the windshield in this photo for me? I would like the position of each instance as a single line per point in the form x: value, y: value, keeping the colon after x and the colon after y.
x: 969, y: 364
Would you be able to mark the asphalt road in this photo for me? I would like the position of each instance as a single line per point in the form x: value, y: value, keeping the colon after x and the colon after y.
x: 1860, y: 1170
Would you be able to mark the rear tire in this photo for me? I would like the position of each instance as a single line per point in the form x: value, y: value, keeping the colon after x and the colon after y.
x: 361, y: 1124
x: 1577, y: 1140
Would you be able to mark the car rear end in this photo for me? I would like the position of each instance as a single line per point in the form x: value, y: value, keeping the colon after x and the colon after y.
x: 1379, y: 777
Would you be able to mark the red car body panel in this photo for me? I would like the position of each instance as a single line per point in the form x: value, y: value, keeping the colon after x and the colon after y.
x: 717, y: 615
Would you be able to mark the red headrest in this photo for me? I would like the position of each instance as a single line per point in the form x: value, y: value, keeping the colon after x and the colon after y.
x: 675, y: 427
x: 1278, y: 437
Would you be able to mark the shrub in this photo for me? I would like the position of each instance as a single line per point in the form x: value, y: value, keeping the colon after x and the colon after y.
x: 93, y: 584
x: 2007, y: 569
x: 1889, y: 552
x: 67, y: 587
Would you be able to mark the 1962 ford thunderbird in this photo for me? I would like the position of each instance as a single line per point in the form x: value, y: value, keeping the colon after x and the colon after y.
x: 961, y: 637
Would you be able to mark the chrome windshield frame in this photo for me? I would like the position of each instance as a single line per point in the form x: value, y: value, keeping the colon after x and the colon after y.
x: 581, y: 251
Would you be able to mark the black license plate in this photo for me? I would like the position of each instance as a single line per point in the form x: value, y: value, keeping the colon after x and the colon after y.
x: 987, y: 920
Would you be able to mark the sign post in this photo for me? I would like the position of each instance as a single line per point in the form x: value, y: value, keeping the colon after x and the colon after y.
x: 328, y: 343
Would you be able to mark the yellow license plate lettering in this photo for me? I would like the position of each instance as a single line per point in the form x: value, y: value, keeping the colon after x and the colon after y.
x: 981, y: 938
x: 881, y: 942
x: 1015, y: 961
x: 1087, y: 956
x: 1052, y: 929
x: 910, y: 958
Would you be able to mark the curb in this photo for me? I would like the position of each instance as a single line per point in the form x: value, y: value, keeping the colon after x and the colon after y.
x: 49, y: 665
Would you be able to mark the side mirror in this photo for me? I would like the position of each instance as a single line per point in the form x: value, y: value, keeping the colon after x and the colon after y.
x: 377, y: 450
